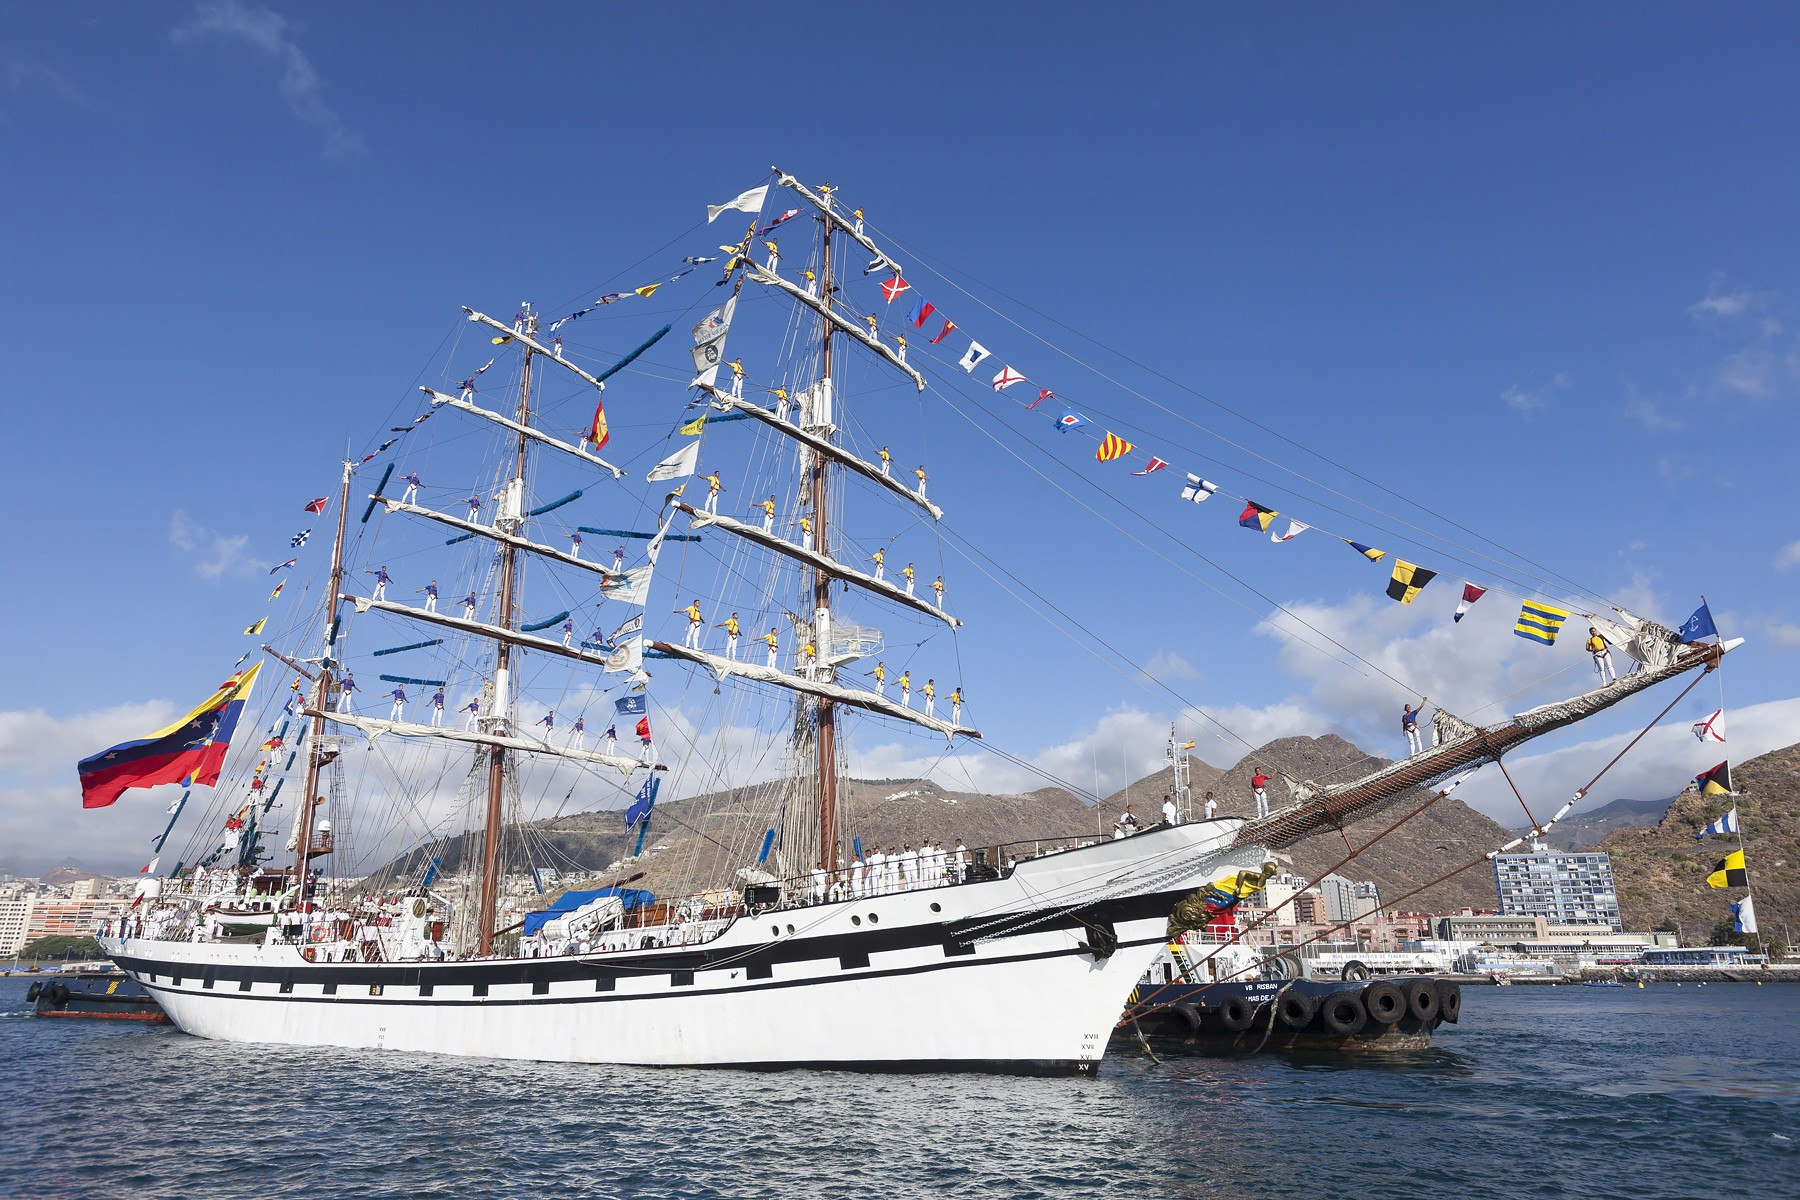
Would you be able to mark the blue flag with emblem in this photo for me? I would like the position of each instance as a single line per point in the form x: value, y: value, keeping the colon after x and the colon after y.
x: 631, y: 706
x: 1699, y: 625
x: 646, y: 799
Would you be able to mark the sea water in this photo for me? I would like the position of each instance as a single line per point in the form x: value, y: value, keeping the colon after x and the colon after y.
x: 1565, y: 1091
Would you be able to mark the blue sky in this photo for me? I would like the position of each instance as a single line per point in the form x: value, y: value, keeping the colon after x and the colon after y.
x: 1534, y: 270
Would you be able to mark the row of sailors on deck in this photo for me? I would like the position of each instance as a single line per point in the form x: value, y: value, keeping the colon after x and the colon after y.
x: 888, y: 871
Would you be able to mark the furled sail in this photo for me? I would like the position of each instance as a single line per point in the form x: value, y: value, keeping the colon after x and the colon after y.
x: 723, y: 668
x: 536, y: 435
x: 844, y: 324
x: 823, y: 446
x: 880, y: 587
x: 526, y: 340
x: 377, y: 727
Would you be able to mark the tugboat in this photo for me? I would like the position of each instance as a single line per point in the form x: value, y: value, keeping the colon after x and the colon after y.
x: 108, y: 995
x: 1230, y: 999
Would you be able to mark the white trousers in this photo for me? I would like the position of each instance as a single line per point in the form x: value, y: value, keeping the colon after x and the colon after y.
x: 1413, y: 742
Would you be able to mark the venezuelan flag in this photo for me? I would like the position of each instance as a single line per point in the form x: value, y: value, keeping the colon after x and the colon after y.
x: 1716, y: 782
x: 1256, y: 517
x: 1729, y: 872
x: 1540, y: 622
x: 194, y: 745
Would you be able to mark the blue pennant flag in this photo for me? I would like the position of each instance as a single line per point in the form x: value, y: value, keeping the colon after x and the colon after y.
x: 1725, y: 824
x: 632, y: 706
x: 646, y: 798
x: 1699, y: 625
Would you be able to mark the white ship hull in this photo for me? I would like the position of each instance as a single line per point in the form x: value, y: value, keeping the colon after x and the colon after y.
x: 1024, y: 973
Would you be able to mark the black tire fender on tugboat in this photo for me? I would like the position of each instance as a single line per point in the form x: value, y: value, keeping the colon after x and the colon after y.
x: 1296, y: 1010
x: 59, y: 993
x: 1234, y: 1014
x: 1343, y: 1013
x: 34, y: 991
x: 1450, y: 1000
x: 1354, y: 971
x: 1422, y: 1000
x: 1384, y: 1002
x: 1188, y: 1015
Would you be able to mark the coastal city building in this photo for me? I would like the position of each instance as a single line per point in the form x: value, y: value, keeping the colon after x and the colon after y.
x: 1348, y: 900
x: 1278, y: 894
x: 15, y: 914
x: 1564, y: 888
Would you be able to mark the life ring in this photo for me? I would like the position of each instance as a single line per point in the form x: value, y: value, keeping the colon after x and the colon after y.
x: 1296, y: 1010
x: 1450, y: 1000
x: 1421, y: 1000
x: 1343, y: 1014
x: 319, y: 933
x: 1234, y: 1014
x: 1354, y: 971
x: 1384, y: 1002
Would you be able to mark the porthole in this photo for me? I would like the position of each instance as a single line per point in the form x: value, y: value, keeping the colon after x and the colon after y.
x: 854, y: 920
x: 790, y: 929
x: 874, y: 920
x: 775, y: 929
x: 936, y: 907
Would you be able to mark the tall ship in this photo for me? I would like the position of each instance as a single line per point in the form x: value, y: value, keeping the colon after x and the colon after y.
x: 806, y: 947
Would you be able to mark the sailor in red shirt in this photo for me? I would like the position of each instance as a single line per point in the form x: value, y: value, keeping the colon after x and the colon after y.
x: 1258, y: 782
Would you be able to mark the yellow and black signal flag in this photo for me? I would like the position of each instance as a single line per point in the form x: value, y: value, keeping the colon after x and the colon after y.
x: 1368, y: 552
x: 1256, y: 517
x: 1729, y: 872
x: 1112, y: 446
x: 1716, y: 782
x: 1540, y: 622
x: 1408, y: 581
x: 693, y: 427
x: 256, y: 628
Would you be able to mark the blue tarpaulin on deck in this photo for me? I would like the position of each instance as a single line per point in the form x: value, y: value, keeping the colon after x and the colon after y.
x: 570, y: 901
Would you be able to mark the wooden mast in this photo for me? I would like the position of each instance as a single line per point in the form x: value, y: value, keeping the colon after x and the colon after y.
x: 309, y: 799
x: 512, y: 508
x: 825, y: 742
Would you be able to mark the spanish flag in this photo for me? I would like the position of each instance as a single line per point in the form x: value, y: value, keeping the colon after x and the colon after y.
x: 1256, y: 517
x: 597, y: 432
x: 194, y: 745
x: 1540, y: 622
x: 1408, y: 581
x: 1112, y: 446
x: 1729, y: 872
x: 1716, y: 782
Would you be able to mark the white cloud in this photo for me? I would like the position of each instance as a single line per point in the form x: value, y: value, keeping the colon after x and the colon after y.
x: 1528, y: 402
x: 23, y: 79
x: 1788, y: 556
x: 1648, y: 411
x: 1784, y: 634
x: 217, y: 554
x: 270, y: 33
x: 1729, y: 304
x: 42, y: 823
x: 1167, y: 664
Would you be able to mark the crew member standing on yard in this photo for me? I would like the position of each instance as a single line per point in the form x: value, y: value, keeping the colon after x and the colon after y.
x: 695, y: 624
x: 879, y: 558
x: 887, y: 460
x: 1597, y: 646
x: 1409, y: 724
x: 730, y: 626
x: 880, y: 678
x: 713, y: 488
x: 768, y: 507
x: 1258, y: 783
x: 773, y: 641
x: 909, y: 573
